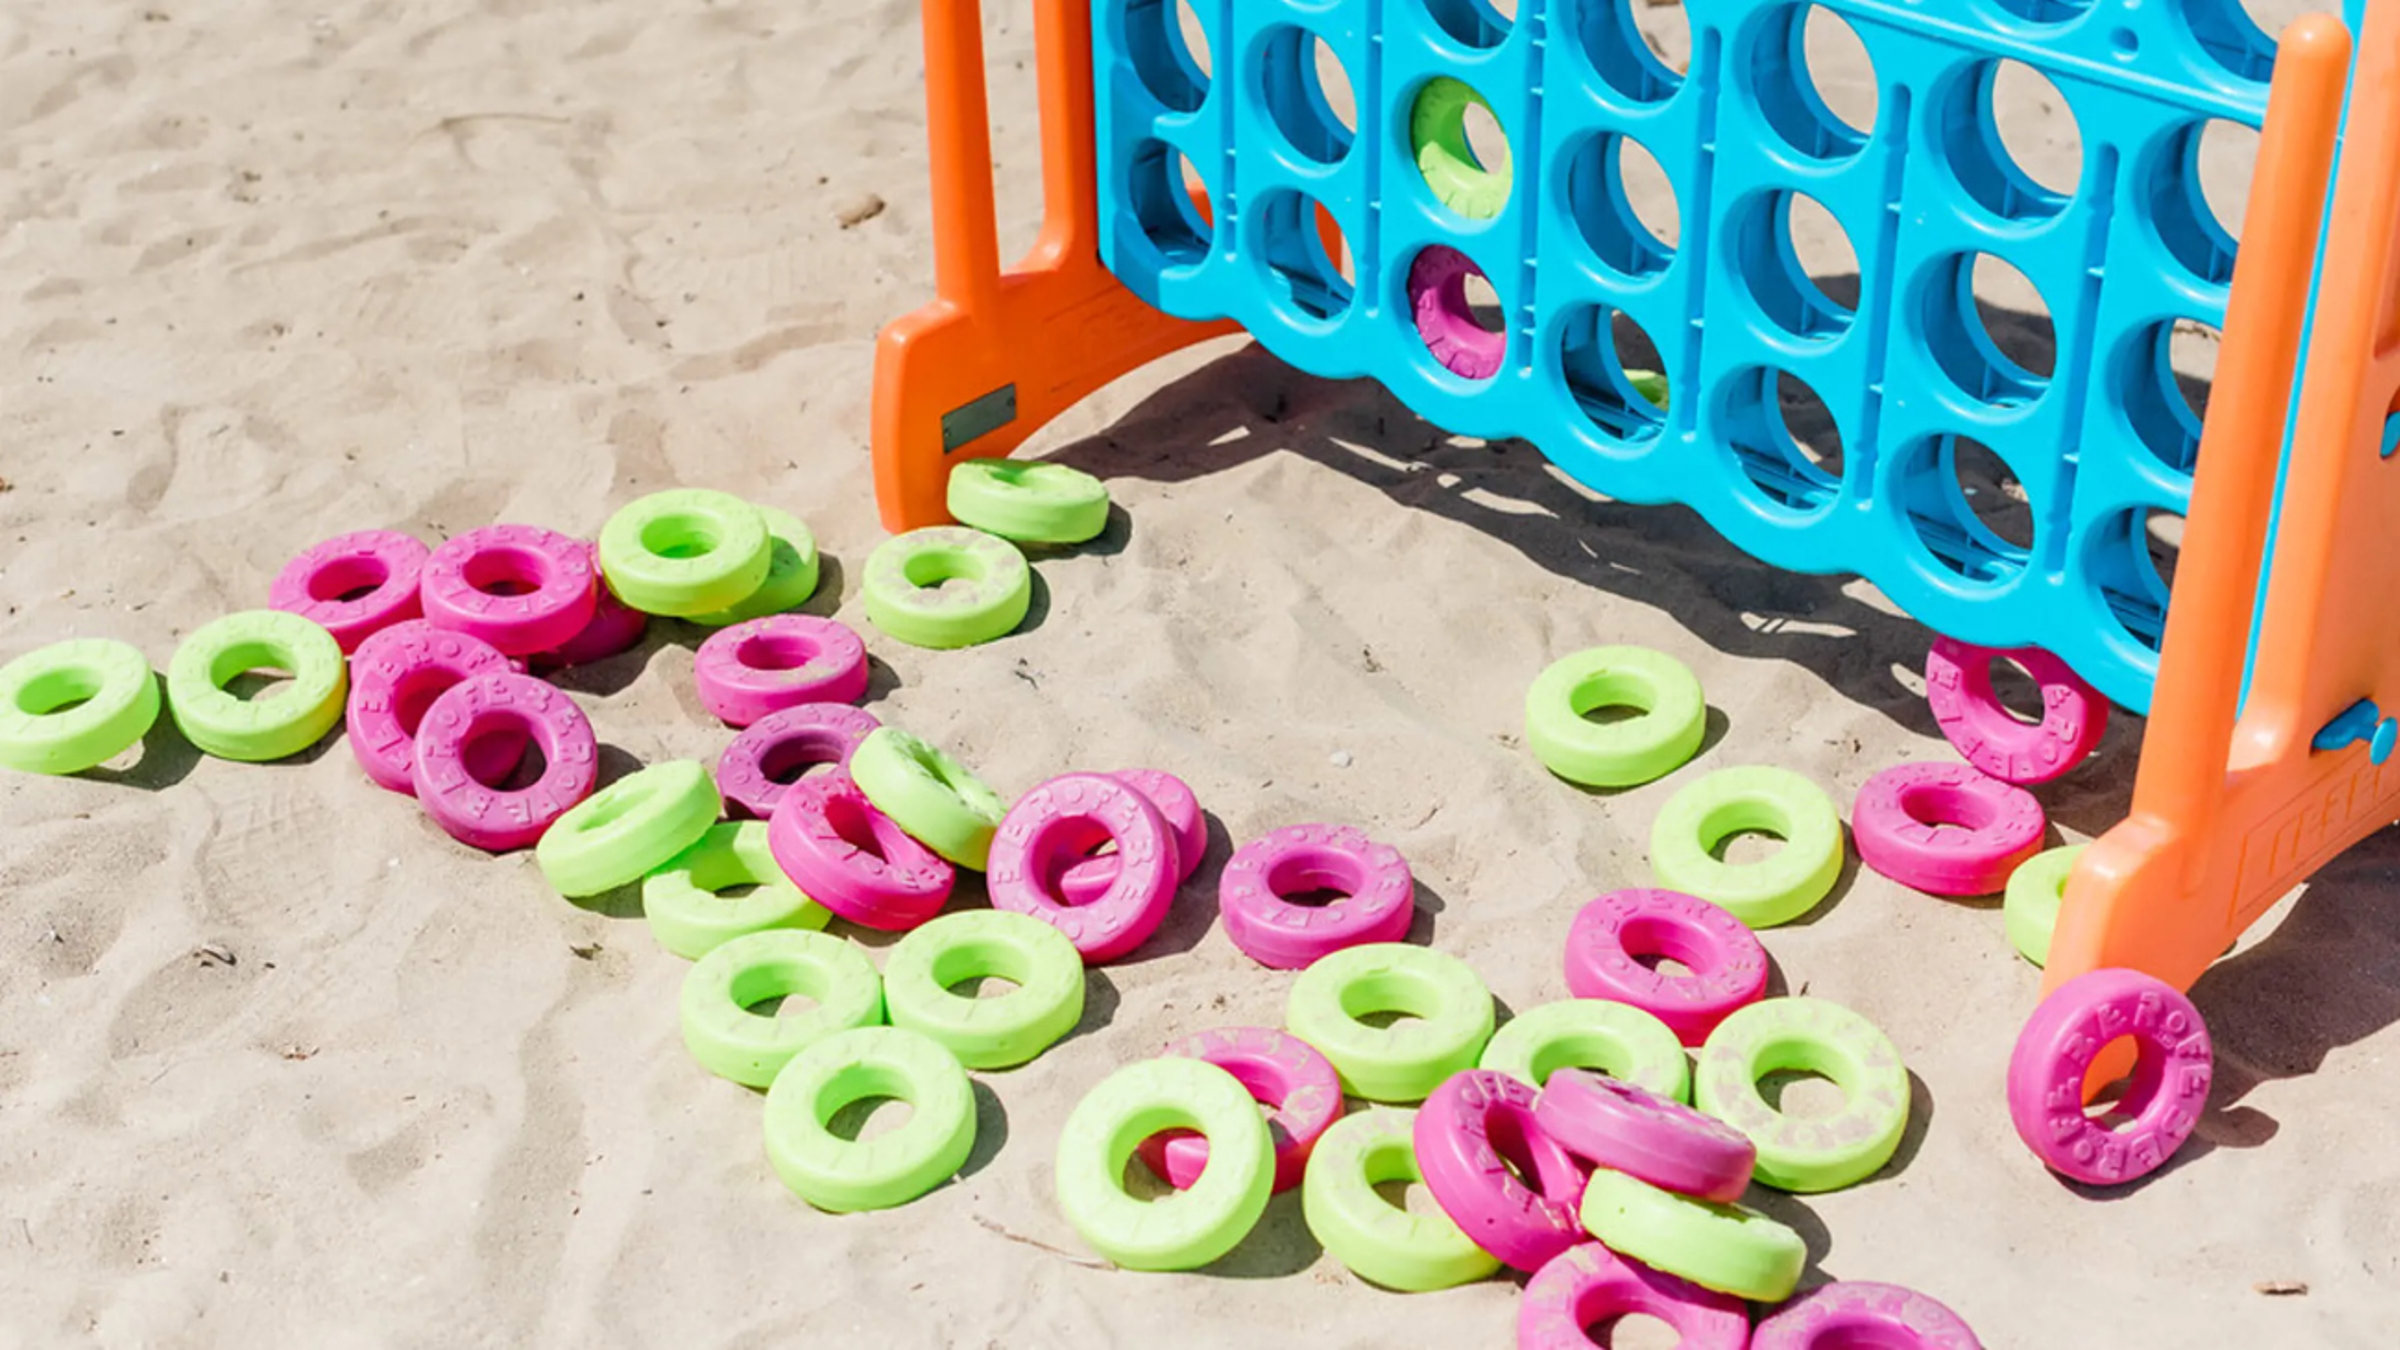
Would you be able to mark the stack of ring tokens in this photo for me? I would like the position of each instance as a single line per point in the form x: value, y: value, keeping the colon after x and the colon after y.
x: 1064, y: 820
x: 1673, y: 717
x: 1806, y: 1035
x: 855, y: 860
x: 759, y: 767
x: 1714, y: 808
x: 70, y: 706
x: 1726, y: 963
x: 1296, y: 1085
x: 1028, y: 502
x: 1450, y: 1018
x: 1459, y: 1134
x: 1377, y: 905
x: 947, y: 586
x: 930, y: 795
x: 1945, y: 829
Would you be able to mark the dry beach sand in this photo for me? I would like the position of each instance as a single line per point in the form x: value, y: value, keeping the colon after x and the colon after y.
x: 280, y: 1064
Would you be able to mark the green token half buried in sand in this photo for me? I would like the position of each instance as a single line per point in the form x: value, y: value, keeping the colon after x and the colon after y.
x: 1028, y: 501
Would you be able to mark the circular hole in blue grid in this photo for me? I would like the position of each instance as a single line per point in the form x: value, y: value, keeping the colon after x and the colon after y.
x: 1813, y: 80
x: 2228, y: 34
x: 1169, y: 47
x: 2198, y: 192
x: 2130, y: 558
x: 2162, y: 376
x: 1994, y: 117
x: 1474, y: 23
x: 1967, y: 506
x: 1308, y: 93
x: 1299, y: 243
x: 1783, y: 438
x: 1987, y: 328
x: 1607, y: 175
x: 1633, y: 55
x: 1161, y: 187
x: 2045, y: 11
x: 1798, y: 261
x: 1614, y: 373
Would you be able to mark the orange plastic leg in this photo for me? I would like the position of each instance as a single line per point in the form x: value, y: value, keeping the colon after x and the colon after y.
x: 1000, y: 354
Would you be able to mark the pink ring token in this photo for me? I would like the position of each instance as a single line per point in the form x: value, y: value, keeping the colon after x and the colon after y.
x: 781, y: 661
x: 1958, y: 684
x: 1728, y: 965
x: 1858, y: 1312
x: 498, y: 704
x: 1378, y: 894
x: 519, y: 588
x: 1297, y: 1085
x: 1647, y: 1137
x: 354, y: 585
x: 770, y: 754
x: 853, y: 859
x: 1461, y: 1133
x: 2173, y: 1067
x: 395, y: 675
x: 1588, y: 1284
x: 1945, y: 829
x: 1437, y: 295
x: 615, y: 627
x: 1068, y: 817
x: 1083, y: 882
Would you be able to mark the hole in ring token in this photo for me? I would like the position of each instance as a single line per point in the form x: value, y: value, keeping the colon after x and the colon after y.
x: 844, y: 1175
x: 761, y: 764
x: 1376, y: 1239
x: 1588, y: 1285
x: 1958, y: 685
x: 273, y: 727
x: 502, y: 703
x: 854, y: 859
x: 1302, y: 1094
x: 1860, y: 1312
x: 1590, y: 1033
x: 1728, y: 965
x: 1190, y: 1227
x: 1710, y: 810
x: 2173, y: 1067
x: 1471, y: 1129
x: 2036, y: 891
x: 1449, y: 1018
x: 631, y: 828
x: 1671, y: 720
x: 1807, y: 1035
x: 1065, y: 819
x: 1377, y: 905
x: 720, y: 991
x: 1945, y: 829
x: 71, y: 705
x: 986, y: 1033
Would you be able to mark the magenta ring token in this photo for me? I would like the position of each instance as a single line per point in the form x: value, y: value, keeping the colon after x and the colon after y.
x: 354, y: 585
x: 1958, y: 683
x: 1461, y: 1133
x: 1083, y: 882
x: 2172, y: 1070
x: 1860, y: 1312
x: 1378, y: 894
x: 1588, y: 1284
x: 1632, y: 1130
x: 1297, y: 1085
x: 781, y: 661
x: 502, y: 704
x: 519, y: 588
x: 1068, y: 817
x: 1728, y: 965
x: 395, y: 675
x: 853, y: 859
x: 1437, y: 295
x: 1945, y: 829
x: 615, y: 627
x: 770, y: 754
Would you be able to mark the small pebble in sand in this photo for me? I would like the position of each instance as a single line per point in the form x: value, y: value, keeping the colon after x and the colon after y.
x: 858, y: 210
x: 1341, y: 759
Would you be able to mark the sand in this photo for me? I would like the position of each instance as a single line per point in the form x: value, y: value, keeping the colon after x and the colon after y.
x: 280, y: 1064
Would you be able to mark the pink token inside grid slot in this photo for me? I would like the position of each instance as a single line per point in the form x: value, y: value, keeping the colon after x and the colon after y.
x: 1376, y: 896
x: 1588, y: 1285
x: 1066, y: 818
x: 353, y: 586
x: 615, y: 627
x: 1437, y: 295
x: 773, y: 752
x: 1958, y: 685
x: 1632, y: 1130
x: 1946, y: 829
x: 1297, y: 1085
x: 754, y: 668
x: 1863, y: 1313
x: 1611, y: 937
x: 502, y: 705
x: 1462, y: 1134
x: 521, y: 589
x: 1085, y: 881
x: 395, y: 676
x: 853, y: 859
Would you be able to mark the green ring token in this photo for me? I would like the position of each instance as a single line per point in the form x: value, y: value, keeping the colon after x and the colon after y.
x: 1028, y: 501
x: 284, y: 722
x: 1437, y: 137
x: 71, y: 705
x: 1413, y: 1253
x: 1191, y: 1227
x: 1451, y: 1018
x: 986, y: 1033
x: 685, y: 551
x: 928, y: 794
x: 1707, y: 811
x: 844, y: 1175
x: 629, y: 829
x: 688, y: 916
x: 1807, y: 1035
x: 793, y: 567
x: 719, y: 991
x: 2035, y: 891
x: 947, y: 587
x: 1722, y: 1247
x: 1617, y: 1039
x: 1673, y: 716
